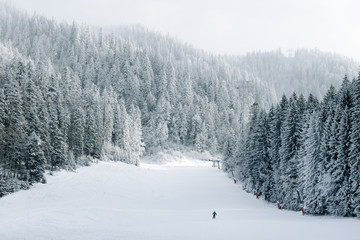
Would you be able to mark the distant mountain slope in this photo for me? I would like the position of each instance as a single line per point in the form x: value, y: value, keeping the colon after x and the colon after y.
x: 303, y: 71
x: 274, y: 72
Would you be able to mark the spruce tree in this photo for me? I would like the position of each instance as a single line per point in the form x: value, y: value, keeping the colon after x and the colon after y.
x: 266, y: 183
x: 251, y: 165
x: 3, y: 120
x: 290, y: 144
x: 136, y: 143
x: 310, y: 168
x: 15, y: 132
x: 354, y: 156
x: 275, y: 143
x: 90, y: 133
x: 35, y: 160
x: 56, y: 128
x: 341, y: 172
x: 77, y: 132
x: 117, y: 128
x: 31, y: 97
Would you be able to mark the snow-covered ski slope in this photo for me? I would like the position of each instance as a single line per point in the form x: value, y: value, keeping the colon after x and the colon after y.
x: 158, y: 200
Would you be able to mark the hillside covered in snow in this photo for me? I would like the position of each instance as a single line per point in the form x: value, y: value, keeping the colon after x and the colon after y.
x: 173, y: 200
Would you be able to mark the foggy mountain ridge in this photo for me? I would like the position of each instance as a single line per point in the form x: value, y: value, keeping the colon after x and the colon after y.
x: 301, y: 70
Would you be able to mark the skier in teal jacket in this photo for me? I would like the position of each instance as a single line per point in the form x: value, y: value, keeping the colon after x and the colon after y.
x: 214, y: 214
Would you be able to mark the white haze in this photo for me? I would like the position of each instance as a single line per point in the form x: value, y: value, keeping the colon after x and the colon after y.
x: 224, y: 26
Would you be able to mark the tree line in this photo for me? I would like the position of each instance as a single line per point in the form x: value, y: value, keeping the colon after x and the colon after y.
x: 305, y: 153
x: 49, y: 122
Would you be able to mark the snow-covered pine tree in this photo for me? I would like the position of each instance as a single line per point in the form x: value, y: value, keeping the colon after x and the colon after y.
x: 31, y: 97
x: 117, y: 131
x: 172, y: 83
x: 161, y: 83
x: 146, y: 75
x: 330, y: 184
x: 290, y: 145
x: 275, y: 143
x: 266, y: 179
x: 341, y: 171
x: 183, y: 123
x: 136, y: 143
x: 174, y: 127
x: 44, y: 130
x: 251, y: 165
x: 77, y: 133
x: 354, y: 156
x: 312, y: 104
x: 339, y: 166
x: 90, y: 133
x: 210, y: 118
x: 327, y: 116
x: 201, y: 138
x: 58, y: 147
x: 125, y: 144
x: 35, y: 160
x: 161, y: 120
x: 309, y: 172
x: 94, y: 135
x: 15, y: 133
x: 3, y: 119
x: 108, y: 117
x: 20, y: 72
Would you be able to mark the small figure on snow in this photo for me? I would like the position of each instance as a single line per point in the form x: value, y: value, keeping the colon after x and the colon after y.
x: 214, y: 214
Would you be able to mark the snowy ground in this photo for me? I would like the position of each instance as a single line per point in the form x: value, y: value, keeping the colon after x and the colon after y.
x: 158, y: 200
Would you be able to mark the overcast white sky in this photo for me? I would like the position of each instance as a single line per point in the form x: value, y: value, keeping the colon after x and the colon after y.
x: 225, y: 26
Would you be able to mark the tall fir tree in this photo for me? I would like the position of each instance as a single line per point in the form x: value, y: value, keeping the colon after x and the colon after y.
x: 77, y: 132
x: 354, y: 155
x: 15, y: 131
x: 290, y: 145
x: 35, y: 160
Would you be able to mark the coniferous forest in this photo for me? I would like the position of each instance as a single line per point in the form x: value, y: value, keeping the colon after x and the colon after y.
x: 305, y: 152
x: 72, y: 94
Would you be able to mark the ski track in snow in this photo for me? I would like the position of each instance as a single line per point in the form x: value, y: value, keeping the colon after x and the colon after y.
x: 155, y: 201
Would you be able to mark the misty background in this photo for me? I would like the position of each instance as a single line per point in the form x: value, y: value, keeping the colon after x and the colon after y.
x: 224, y: 27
